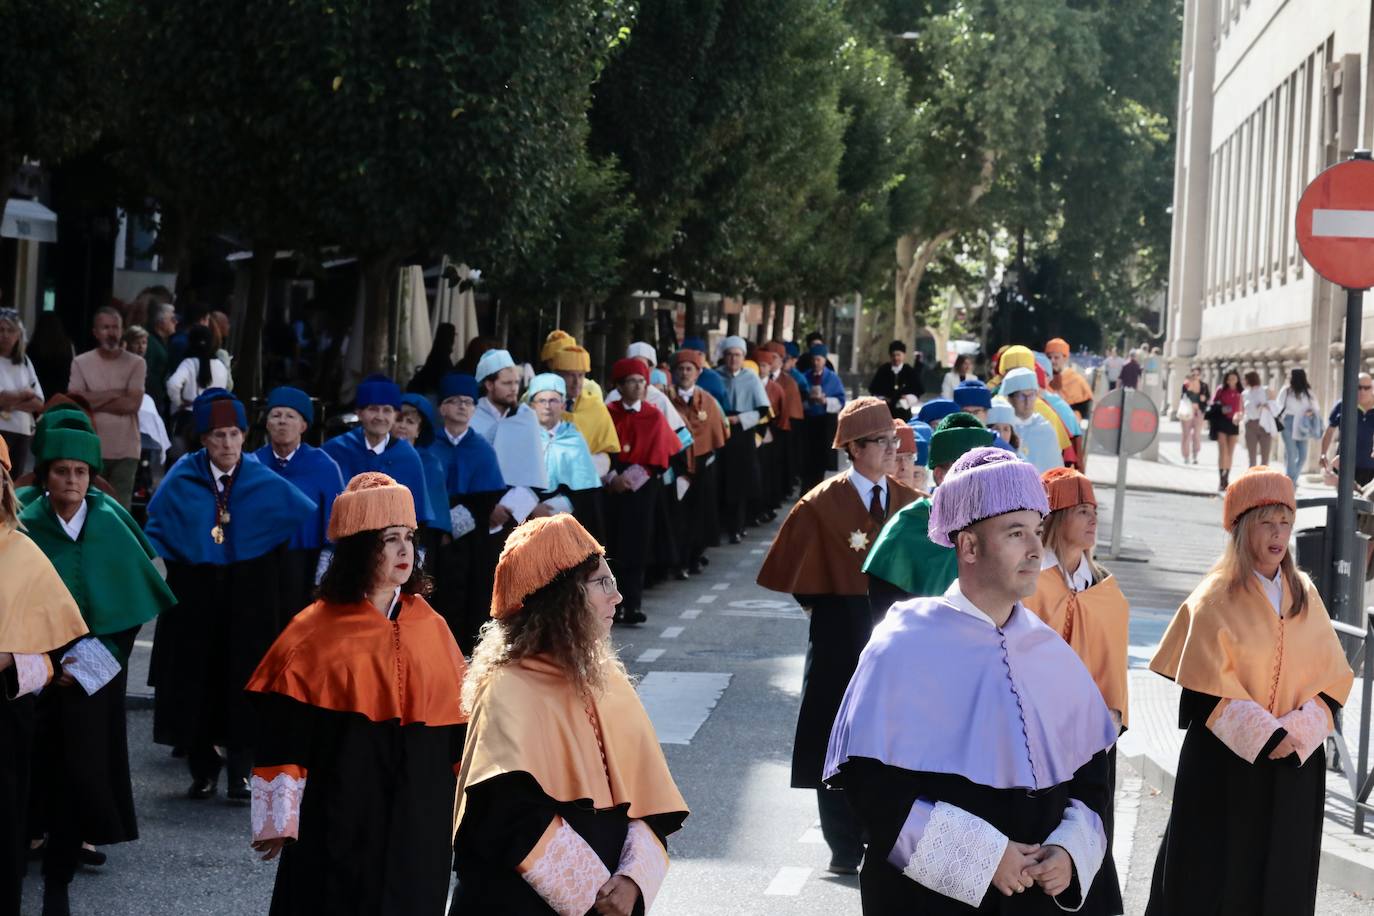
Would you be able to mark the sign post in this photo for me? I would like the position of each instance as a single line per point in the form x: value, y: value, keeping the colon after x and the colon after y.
x: 1124, y: 422
x: 1335, y: 227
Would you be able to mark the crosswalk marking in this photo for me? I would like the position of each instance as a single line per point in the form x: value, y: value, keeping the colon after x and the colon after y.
x: 678, y: 702
x: 649, y: 655
x: 720, y: 586
x: 707, y: 599
x: 672, y: 632
x: 788, y: 882
x: 812, y: 837
x: 691, y: 613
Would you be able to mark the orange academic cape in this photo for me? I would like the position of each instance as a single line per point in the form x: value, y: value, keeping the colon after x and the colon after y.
x: 1095, y: 623
x: 1234, y: 646
x: 821, y: 547
x: 1071, y: 386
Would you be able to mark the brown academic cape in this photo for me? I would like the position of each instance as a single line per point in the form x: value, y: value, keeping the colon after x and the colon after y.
x: 704, y: 421
x: 1094, y: 622
x: 777, y: 400
x: 821, y: 546
x: 791, y: 397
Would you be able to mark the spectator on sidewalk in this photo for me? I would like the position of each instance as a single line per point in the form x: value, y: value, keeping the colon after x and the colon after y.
x: 1192, y: 406
x: 1364, y: 435
x: 960, y: 372
x: 1227, y: 407
x: 1260, y: 425
x: 162, y: 323
x: 111, y: 379
x: 1301, y: 417
x: 1244, y: 833
x: 897, y: 382
x: 1112, y: 366
x: 1131, y: 371
x: 21, y: 395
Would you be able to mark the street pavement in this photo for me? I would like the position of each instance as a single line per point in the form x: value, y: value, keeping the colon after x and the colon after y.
x: 719, y: 664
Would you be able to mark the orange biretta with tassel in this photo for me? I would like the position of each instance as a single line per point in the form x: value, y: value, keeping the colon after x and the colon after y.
x: 535, y: 553
x: 371, y: 502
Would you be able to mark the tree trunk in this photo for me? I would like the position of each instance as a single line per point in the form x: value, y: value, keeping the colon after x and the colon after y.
x: 377, y: 271
x: 779, y: 319
x: 761, y: 336
x: 575, y: 318
x: 689, y: 316
x: 248, y: 364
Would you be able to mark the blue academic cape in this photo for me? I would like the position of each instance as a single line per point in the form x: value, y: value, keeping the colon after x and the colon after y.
x: 317, y: 476
x: 264, y: 510
x: 711, y: 382
x: 398, y: 460
x: 436, y: 484
x: 470, y: 466
x: 568, y: 460
x: 831, y: 387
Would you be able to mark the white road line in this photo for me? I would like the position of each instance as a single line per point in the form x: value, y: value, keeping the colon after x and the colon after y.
x: 1127, y: 810
x: 691, y: 613
x: 720, y: 586
x: 672, y: 632
x: 776, y: 615
x: 757, y: 550
x: 812, y: 837
x: 649, y: 655
x: 788, y: 881
x: 707, y: 599
x: 678, y: 702
x: 143, y: 643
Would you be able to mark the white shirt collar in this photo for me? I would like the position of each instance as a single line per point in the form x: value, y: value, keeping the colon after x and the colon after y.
x: 287, y: 457
x: 1080, y: 580
x: 395, y: 599
x: 73, y: 527
x: 632, y: 408
x: 454, y: 440
x: 865, y: 486
x: 1273, y: 589
x: 686, y: 393
x: 380, y: 446
x: 220, y: 475
x: 955, y: 596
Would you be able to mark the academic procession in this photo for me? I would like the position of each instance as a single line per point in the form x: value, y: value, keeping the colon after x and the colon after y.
x: 394, y: 651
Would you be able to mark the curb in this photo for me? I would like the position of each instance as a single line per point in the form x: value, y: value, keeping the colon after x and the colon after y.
x: 1335, y: 869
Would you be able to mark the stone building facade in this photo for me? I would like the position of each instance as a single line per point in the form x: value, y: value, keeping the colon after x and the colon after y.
x: 1271, y: 92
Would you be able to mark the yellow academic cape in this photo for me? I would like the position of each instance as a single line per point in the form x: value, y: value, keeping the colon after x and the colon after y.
x: 593, y: 421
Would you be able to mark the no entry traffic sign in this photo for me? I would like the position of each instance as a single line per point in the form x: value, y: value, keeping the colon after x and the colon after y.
x: 1140, y: 426
x: 1336, y: 224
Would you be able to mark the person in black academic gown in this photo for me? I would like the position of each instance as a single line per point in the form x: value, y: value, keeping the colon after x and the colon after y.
x: 223, y: 524
x: 893, y: 381
x: 360, y: 729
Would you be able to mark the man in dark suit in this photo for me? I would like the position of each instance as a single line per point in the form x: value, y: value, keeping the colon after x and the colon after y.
x: 895, y: 380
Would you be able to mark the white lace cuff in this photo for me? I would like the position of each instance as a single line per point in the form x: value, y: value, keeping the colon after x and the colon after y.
x: 32, y: 672
x: 1308, y: 726
x: 277, y: 806
x: 948, y: 850
x: 461, y: 521
x: 568, y: 874
x: 1081, y: 835
x: 1245, y: 727
x: 91, y: 664
x: 644, y: 861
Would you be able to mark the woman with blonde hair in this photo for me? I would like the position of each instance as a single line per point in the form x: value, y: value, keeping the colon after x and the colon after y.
x: 564, y: 798
x: 38, y: 618
x: 1263, y: 675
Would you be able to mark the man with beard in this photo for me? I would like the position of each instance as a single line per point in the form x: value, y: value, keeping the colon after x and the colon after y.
x: 111, y: 379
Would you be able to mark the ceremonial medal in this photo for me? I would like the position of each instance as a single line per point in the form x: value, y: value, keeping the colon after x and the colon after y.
x: 701, y: 415
x: 217, y: 534
x: 224, y: 516
x: 625, y: 447
x: 858, y: 541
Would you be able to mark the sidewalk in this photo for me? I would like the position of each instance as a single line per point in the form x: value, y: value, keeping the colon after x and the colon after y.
x: 1152, y: 743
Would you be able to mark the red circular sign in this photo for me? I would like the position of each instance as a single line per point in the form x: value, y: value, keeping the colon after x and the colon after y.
x: 1336, y: 224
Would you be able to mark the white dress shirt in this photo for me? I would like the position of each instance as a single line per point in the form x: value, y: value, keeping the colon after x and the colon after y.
x: 1273, y: 590
x: 452, y: 439
x: 955, y: 596
x: 380, y: 446
x: 865, y: 487
x: 219, y: 476
x: 73, y: 527
x: 286, y: 459
x: 1080, y: 579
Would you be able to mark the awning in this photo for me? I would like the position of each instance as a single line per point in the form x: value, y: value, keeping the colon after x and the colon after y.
x: 28, y: 219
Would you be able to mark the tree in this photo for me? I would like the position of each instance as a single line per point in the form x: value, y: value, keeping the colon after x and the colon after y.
x: 391, y: 129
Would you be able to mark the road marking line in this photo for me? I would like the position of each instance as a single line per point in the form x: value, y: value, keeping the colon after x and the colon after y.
x: 813, y: 837
x: 1127, y: 810
x: 720, y: 586
x: 707, y: 599
x: 691, y: 613
x: 679, y: 702
x: 776, y: 615
x: 788, y: 881
x: 649, y: 655
x: 757, y: 550
x: 672, y: 632
x: 143, y: 643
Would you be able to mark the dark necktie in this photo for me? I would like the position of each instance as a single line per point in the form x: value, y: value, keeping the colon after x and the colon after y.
x: 875, y: 506
x: 281, y: 463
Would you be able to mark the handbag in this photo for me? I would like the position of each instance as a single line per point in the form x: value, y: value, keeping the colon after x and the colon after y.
x: 1186, y: 410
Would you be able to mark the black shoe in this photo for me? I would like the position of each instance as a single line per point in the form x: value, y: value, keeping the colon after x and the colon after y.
x: 202, y: 789
x: 238, y: 790
x: 697, y: 568
x: 680, y: 575
x: 735, y: 537
x: 55, y: 901
x: 178, y: 753
x: 632, y: 617
x: 91, y: 858
x: 837, y: 867
x: 704, y: 560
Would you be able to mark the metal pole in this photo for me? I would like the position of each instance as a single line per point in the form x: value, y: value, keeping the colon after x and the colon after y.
x: 1346, y: 607
x: 1119, y: 502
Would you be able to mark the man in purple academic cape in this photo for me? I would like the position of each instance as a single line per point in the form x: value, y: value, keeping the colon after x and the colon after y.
x: 972, y: 742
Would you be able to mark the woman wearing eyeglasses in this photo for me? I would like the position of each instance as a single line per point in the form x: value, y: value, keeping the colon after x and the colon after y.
x: 564, y: 799
x: 818, y: 558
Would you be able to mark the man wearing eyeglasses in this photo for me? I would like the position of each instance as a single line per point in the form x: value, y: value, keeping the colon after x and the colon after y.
x: 818, y: 558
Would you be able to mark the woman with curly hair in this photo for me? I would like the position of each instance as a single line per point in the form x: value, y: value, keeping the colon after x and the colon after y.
x: 360, y: 726
x: 565, y: 799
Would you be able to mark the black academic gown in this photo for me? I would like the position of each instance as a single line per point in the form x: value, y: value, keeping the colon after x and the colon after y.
x: 1252, y: 829
x: 892, y: 385
x: 840, y: 625
x: 466, y: 569
x: 882, y: 796
x: 16, y: 744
